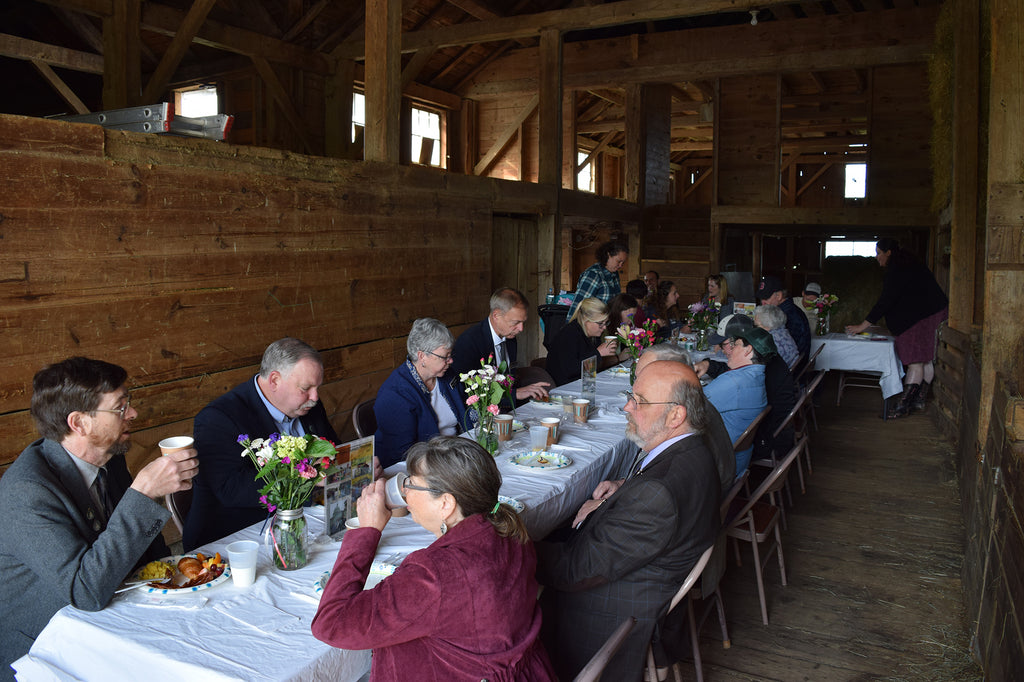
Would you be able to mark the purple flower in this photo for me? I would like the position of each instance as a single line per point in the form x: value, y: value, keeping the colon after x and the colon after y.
x: 242, y: 438
x: 274, y: 437
x: 286, y: 460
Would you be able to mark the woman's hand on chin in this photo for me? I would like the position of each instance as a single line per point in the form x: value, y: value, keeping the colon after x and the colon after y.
x: 371, y: 507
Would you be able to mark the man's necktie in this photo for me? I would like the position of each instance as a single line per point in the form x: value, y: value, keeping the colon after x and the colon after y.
x: 499, y: 354
x: 103, y: 492
x: 637, y: 463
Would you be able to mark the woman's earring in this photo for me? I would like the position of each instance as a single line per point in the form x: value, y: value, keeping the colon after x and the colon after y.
x: 444, y: 528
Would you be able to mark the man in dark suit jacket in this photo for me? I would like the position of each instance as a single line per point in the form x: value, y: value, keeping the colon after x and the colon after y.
x: 638, y: 539
x: 282, y: 398
x: 74, y: 523
x: 496, y: 336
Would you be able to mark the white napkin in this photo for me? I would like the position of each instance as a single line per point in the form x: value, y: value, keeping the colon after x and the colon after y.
x: 190, y: 603
x: 256, y: 614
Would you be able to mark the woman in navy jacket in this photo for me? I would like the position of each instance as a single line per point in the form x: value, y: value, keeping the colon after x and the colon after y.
x: 415, y: 403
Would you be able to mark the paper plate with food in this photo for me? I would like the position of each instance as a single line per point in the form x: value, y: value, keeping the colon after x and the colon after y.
x: 182, y: 574
x: 541, y: 461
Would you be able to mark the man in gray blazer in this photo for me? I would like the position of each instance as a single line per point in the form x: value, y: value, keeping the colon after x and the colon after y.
x: 74, y: 523
x: 639, y: 538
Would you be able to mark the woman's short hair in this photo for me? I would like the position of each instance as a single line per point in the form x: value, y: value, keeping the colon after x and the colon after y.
x: 282, y: 355
x: 460, y: 467
x: 590, y: 309
x: 668, y: 352
x: 771, y: 315
x: 426, y: 335
x: 723, y: 286
x: 609, y: 249
x: 74, y: 385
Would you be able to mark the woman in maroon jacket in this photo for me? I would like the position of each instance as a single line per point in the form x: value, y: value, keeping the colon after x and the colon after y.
x: 464, y: 608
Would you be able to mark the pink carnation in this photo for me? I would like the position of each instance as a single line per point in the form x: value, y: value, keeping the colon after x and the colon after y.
x: 472, y: 400
x: 493, y: 409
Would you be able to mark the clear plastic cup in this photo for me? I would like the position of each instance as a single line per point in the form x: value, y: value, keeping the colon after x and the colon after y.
x: 242, y: 557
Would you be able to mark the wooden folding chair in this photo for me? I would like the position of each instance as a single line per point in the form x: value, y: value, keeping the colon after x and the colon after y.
x: 595, y: 666
x: 746, y: 439
x: 651, y: 671
x: 803, y: 373
x: 757, y: 521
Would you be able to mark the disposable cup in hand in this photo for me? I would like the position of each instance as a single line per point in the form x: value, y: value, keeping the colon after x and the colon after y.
x: 242, y: 559
x: 551, y: 424
x: 175, y: 443
x: 580, y: 410
x: 538, y: 438
x: 393, y: 491
x: 503, y: 423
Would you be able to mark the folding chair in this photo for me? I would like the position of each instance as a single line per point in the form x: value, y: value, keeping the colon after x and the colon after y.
x: 757, y: 521
x: 801, y: 374
x: 364, y: 419
x: 595, y: 666
x: 178, y: 504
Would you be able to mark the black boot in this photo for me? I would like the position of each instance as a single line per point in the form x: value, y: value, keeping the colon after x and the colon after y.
x: 921, y: 403
x: 910, y: 392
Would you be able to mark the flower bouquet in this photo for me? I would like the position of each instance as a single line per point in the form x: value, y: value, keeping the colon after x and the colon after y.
x: 290, y: 467
x: 704, y: 318
x: 635, y: 339
x: 824, y: 304
x: 484, y: 388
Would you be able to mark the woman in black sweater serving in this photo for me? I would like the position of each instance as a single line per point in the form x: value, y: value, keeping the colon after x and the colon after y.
x: 913, y: 306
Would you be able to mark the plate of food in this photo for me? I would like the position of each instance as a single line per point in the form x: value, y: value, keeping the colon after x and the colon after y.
x: 619, y: 370
x: 512, y: 502
x: 187, y: 573
x: 552, y: 401
x: 541, y: 461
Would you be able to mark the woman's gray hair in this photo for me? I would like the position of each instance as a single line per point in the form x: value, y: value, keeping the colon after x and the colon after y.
x: 426, y: 335
x: 668, y: 351
x: 772, y: 316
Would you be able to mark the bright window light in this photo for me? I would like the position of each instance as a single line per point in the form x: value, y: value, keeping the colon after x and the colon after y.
x: 426, y: 125
x: 848, y: 247
x: 856, y: 180
x: 201, y: 102
x: 358, y: 112
x: 585, y: 178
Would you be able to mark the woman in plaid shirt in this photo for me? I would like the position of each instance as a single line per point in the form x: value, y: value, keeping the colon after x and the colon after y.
x: 601, y: 280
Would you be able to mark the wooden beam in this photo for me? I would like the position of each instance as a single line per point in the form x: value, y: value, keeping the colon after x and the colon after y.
x: 810, y: 181
x: 54, y: 55
x: 415, y: 66
x: 601, y: 145
x: 61, y: 87
x: 338, y: 92
x: 866, y: 216
x: 280, y: 95
x: 307, y: 18
x: 177, y: 49
x: 383, y: 80
x: 550, y: 147
x: 511, y: 129
x: 577, y: 18
x: 122, y: 76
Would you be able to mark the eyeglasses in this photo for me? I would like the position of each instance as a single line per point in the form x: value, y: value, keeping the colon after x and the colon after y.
x: 631, y: 398
x: 409, y: 486
x: 121, y: 411
x: 446, y: 358
x: 599, y: 323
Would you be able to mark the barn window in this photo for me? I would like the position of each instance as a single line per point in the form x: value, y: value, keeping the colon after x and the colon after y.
x: 426, y: 137
x: 849, y: 247
x: 358, y: 114
x: 197, y: 101
x: 856, y: 181
x: 585, y: 175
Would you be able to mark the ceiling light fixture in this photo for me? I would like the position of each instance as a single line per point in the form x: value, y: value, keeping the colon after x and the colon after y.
x: 753, y: 17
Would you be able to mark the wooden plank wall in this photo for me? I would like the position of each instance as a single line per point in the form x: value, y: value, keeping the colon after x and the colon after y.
x: 899, y: 170
x: 182, y: 259
x: 950, y: 384
x: 676, y: 242
x: 747, y: 141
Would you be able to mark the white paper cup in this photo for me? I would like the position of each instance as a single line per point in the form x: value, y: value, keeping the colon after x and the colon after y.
x: 551, y: 424
x: 580, y: 410
x: 538, y: 438
x: 352, y: 523
x: 242, y: 559
x: 175, y: 443
x: 393, y: 491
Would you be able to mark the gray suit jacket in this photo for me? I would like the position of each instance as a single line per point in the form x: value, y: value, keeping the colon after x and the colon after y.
x: 53, y: 549
x: 628, y: 558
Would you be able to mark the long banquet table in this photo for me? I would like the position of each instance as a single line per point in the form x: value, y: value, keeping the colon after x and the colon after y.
x: 263, y: 632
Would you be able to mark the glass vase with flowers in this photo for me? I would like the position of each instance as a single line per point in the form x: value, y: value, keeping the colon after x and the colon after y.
x: 484, y: 389
x: 635, y: 339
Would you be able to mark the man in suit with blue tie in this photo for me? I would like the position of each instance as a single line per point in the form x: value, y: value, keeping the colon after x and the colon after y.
x: 496, y: 336
x: 283, y: 399
x: 75, y: 524
x: 637, y: 539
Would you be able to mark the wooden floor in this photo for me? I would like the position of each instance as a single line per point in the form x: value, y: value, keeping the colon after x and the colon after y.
x: 873, y: 554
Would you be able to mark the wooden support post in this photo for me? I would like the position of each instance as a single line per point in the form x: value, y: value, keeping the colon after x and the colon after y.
x: 964, y: 230
x: 569, y: 148
x: 648, y: 127
x: 383, y: 80
x: 179, y: 45
x: 550, y: 115
x: 1004, y: 276
x: 122, y: 67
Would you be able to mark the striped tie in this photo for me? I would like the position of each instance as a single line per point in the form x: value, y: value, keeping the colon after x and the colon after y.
x: 637, y: 463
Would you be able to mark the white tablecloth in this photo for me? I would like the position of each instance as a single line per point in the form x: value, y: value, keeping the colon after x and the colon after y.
x: 262, y: 632
x: 860, y: 354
